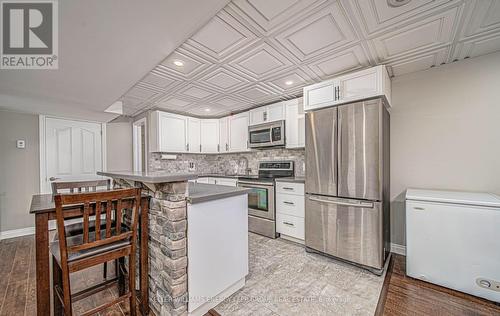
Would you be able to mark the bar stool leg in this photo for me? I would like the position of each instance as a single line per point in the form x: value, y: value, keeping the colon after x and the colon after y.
x: 57, y: 281
x: 131, y: 282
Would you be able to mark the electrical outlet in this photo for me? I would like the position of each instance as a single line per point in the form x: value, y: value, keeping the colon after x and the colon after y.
x: 191, y: 166
x: 21, y: 144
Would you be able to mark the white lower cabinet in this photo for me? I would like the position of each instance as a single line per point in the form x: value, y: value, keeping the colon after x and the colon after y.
x: 290, y: 210
x: 291, y: 226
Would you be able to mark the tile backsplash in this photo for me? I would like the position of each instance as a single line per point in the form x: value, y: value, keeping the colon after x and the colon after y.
x: 227, y: 163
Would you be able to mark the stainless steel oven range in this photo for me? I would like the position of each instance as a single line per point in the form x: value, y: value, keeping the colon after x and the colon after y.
x: 261, y: 200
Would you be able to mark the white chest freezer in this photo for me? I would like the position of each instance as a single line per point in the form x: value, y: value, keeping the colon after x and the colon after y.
x: 453, y: 240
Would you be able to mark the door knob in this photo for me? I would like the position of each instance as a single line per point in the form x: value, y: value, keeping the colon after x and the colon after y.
x: 54, y: 178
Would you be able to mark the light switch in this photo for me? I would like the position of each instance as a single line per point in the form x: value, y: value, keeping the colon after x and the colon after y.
x: 21, y: 144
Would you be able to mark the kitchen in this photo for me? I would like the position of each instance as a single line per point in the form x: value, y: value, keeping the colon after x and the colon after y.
x: 308, y: 157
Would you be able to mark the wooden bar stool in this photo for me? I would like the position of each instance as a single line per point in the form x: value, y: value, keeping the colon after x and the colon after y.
x: 116, y: 241
x: 82, y: 186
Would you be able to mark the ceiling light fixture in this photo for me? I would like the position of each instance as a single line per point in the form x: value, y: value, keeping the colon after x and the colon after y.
x: 207, y: 110
x: 178, y: 63
x: 289, y: 82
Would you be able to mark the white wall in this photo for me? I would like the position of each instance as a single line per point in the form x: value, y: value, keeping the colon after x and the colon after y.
x: 445, y: 131
x: 119, y: 146
x: 19, y: 169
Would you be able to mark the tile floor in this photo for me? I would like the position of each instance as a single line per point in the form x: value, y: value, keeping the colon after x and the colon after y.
x: 285, y: 280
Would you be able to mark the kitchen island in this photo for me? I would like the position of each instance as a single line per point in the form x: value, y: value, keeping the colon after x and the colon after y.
x: 198, y: 240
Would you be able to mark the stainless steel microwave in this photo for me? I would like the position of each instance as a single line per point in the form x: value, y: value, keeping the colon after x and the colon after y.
x: 267, y: 134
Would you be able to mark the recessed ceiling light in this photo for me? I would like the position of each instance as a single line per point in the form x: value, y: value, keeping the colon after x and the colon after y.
x: 207, y: 110
x: 178, y: 63
x: 289, y: 82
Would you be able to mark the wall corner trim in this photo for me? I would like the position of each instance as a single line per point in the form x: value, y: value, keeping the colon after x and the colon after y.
x: 398, y: 249
x: 17, y: 232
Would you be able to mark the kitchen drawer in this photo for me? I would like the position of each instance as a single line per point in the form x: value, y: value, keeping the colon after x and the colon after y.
x: 290, y: 225
x: 290, y: 188
x: 290, y: 204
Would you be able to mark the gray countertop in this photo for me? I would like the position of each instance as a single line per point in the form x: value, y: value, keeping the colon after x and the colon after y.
x: 221, y: 175
x: 292, y: 179
x: 150, y: 177
x: 199, y: 192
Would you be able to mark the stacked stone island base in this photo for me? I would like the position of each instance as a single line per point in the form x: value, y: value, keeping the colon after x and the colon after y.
x: 167, y: 246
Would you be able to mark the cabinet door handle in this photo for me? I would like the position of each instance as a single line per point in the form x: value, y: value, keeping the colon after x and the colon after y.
x: 200, y: 148
x: 218, y: 147
x: 187, y: 147
x: 287, y: 188
x: 264, y: 116
x: 227, y: 147
x: 288, y: 224
x: 289, y: 203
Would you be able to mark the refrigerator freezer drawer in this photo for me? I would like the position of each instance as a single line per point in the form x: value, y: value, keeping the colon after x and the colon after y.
x: 455, y: 246
x: 345, y: 228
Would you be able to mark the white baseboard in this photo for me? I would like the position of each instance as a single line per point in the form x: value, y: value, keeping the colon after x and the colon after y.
x: 17, y: 232
x: 398, y: 249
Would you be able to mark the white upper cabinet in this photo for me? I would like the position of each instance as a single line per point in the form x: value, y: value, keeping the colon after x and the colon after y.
x: 295, y: 124
x: 209, y: 136
x: 275, y: 112
x: 258, y: 115
x: 224, y: 134
x: 356, y: 86
x: 194, y: 140
x: 168, y: 132
x: 238, y: 132
x: 268, y: 113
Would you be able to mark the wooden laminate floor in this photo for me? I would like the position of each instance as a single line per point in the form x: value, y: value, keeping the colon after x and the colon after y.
x: 407, y: 296
x: 401, y: 295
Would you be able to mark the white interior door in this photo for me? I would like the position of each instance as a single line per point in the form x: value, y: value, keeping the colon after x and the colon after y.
x: 72, y: 150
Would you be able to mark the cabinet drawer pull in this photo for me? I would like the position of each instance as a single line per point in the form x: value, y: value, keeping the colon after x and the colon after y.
x: 419, y: 208
x: 288, y: 224
x: 287, y: 188
x: 289, y: 203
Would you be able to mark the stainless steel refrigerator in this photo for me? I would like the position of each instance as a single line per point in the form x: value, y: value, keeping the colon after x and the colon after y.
x: 347, y: 183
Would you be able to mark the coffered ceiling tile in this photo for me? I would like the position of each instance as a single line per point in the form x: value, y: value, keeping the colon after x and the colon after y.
x: 223, y: 80
x: 183, y: 63
x: 378, y: 16
x: 290, y: 81
x: 418, y: 62
x: 209, y: 110
x: 141, y: 93
x: 222, y: 36
x: 228, y: 101
x: 174, y: 102
x: 477, y: 46
x: 426, y: 34
x: 268, y: 15
x: 158, y: 80
x: 347, y: 60
x: 257, y: 93
x: 484, y: 16
x: 195, y: 92
x: 323, y: 32
x: 261, y: 61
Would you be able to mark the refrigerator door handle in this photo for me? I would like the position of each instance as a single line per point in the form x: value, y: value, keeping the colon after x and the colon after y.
x: 343, y: 203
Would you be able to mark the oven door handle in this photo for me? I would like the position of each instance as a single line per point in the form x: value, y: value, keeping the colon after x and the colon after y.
x: 255, y: 184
